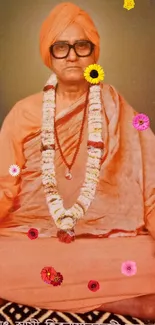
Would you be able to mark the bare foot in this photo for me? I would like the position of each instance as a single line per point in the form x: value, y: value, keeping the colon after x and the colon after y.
x: 140, y: 307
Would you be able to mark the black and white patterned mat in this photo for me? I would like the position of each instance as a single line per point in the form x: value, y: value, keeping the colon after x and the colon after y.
x: 14, y: 314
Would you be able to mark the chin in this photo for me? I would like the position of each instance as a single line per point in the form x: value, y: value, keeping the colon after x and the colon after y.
x: 73, y: 77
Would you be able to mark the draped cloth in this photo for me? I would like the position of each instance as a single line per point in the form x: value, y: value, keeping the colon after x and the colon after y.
x: 125, y: 198
x: 62, y: 16
x: 119, y: 224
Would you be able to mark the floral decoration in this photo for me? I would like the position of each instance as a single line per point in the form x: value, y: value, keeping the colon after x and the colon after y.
x: 141, y: 122
x: 93, y: 285
x: 14, y: 170
x: 94, y: 73
x: 65, y: 219
x: 32, y: 233
x: 50, y: 276
x: 129, y: 4
x: 129, y: 268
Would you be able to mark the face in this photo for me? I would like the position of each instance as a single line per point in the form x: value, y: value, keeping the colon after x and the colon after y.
x: 71, y: 69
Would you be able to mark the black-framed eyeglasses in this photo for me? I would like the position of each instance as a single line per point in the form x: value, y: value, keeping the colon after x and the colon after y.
x: 61, y: 49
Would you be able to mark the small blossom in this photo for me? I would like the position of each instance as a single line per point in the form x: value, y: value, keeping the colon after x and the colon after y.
x: 141, y: 122
x: 14, y: 170
x: 129, y: 4
x: 57, y: 280
x: 32, y: 233
x: 129, y: 268
x: 93, y: 285
x: 48, y: 274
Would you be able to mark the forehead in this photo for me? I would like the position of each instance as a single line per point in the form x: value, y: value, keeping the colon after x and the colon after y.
x: 72, y: 33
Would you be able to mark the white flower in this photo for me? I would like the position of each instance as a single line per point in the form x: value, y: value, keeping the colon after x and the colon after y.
x: 14, y: 170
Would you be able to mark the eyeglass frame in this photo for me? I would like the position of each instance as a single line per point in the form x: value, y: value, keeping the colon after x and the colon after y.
x: 72, y: 46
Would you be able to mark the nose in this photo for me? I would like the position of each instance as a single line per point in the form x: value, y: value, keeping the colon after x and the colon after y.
x: 72, y: 55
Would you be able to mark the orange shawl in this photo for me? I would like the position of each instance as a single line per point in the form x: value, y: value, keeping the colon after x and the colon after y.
x: 125, y: 197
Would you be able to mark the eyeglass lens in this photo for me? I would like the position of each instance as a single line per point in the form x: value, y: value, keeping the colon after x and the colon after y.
x: 81, y: 48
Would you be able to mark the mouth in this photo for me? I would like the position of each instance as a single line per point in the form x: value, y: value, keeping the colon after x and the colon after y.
x: 72, y: 68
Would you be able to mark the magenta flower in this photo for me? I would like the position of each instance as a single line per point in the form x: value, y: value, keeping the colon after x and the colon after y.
x: 129, y: 268
x: 141, y: 122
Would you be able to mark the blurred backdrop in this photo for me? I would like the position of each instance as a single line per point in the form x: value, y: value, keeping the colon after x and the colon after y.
x: 127, y: 49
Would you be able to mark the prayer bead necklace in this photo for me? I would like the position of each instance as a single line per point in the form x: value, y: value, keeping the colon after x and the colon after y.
x: 68, y: 174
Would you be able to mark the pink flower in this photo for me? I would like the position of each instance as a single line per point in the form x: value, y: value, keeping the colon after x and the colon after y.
x: 14, y: 170
x: 141, y: 122
x: 129, y: 268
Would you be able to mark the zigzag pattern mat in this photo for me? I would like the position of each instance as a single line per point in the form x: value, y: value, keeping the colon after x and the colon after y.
x: 14, y: 314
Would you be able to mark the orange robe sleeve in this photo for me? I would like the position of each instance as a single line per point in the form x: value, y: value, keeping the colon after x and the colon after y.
x: 10, y: 154
x: 147, y: 147
x: 147, y: 139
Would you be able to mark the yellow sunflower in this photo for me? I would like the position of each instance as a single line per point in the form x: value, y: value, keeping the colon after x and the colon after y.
x: 94, y: 73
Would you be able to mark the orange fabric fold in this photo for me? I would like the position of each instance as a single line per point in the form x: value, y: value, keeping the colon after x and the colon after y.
x: 18, y: 124
x: 124, y: 203
x: 58, y: 20
x: 79, y: 262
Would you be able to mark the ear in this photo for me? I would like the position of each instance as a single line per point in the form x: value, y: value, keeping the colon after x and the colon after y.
x: 95, y: 61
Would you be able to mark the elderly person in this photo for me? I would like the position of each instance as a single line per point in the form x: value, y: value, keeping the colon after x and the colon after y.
x: 75, y: 170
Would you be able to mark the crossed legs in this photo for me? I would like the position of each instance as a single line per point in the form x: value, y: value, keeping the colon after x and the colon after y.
x: 141, y: 307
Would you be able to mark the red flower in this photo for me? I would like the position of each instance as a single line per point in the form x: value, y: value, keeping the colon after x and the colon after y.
x: 65, y: 237
x: 58, y: 278
x: 48, y: 274
x: 32, y: 233
x: 93, y: 285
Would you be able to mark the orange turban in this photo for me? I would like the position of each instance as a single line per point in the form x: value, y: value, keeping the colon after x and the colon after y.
x: 58, y: 20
